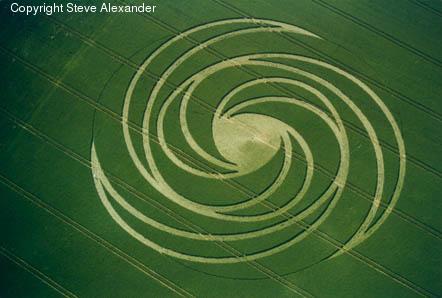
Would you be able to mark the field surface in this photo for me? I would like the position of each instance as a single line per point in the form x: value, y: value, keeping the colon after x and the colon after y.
x: 223, y: 149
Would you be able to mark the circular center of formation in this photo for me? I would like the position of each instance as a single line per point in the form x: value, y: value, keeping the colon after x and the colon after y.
x: 238, y: 154
x: 248, y: 140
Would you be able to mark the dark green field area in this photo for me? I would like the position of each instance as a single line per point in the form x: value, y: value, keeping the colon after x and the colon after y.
x: 223, y: 149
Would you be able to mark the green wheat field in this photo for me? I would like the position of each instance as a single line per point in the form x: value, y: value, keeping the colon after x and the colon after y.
x: 222, y: 148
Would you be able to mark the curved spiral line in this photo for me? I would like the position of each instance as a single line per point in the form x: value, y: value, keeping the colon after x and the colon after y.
x: 234, y: 116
